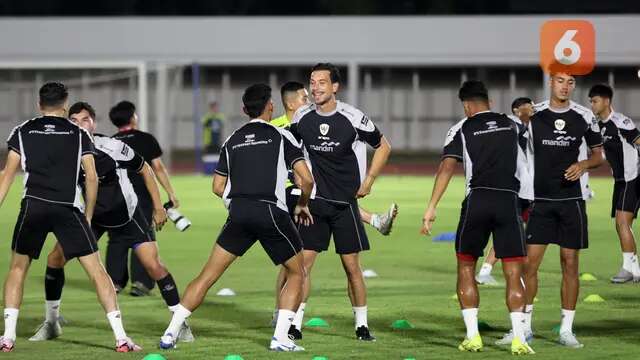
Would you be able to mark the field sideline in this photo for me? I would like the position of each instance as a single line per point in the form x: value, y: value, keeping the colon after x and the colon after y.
x: 416, y: 282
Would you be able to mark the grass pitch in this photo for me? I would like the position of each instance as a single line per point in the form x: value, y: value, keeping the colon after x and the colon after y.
x: 416, y: 282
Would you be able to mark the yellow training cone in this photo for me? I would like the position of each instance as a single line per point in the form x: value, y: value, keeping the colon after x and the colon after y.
x: 594, y: 298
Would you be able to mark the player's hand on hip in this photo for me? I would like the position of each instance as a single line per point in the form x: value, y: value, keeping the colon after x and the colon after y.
x: 365, y: 188
x: 302, y: 215
x: 159, y: 218
x: 427, y: 222
x: 574, y: 171
x: 174, y: 200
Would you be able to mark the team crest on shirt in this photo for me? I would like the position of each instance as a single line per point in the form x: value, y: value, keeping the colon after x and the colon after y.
x: 324, y: 129
x: 559, y: 124
x: 492, y: 125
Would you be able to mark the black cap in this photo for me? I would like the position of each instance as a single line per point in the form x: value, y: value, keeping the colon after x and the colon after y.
x: 473, y: 90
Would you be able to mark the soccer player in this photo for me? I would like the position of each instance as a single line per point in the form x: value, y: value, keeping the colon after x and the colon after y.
x: 52, y: 150
x: 294, y: 95
x: 250, y: 178
x: 123, y: 116
x: 522, y: 109
x: 118, y: 214
x: 561, y: 132
x: 620, y: 137
x: 335, y: 135
x: 497, y: 175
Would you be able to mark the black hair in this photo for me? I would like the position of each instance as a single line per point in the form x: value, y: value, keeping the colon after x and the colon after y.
x: 122, y: 113
x: 53, y: 94
x: 334, y: 73
x: 601, y: 90
x: 80, y: 106
x: 255, y: 99
x: 473, y: 90
x: 289, y: 87
x: 520, y: 101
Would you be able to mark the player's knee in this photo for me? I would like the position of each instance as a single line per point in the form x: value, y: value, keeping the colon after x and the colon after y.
x: 55, y: 259
x: 157, y: 271
x: 622, y: 223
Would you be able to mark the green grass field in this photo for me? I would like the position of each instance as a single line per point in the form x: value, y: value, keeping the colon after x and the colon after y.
x: 416, y: 282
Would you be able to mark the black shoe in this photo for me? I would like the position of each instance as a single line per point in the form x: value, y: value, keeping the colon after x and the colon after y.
x: 295, y: 334
x: 362, y: 333
x: 138, y: 289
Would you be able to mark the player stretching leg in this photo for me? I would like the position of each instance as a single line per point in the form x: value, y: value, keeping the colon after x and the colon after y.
x: 251, y: 179
x: 52, y: 150
x: 496, y: 173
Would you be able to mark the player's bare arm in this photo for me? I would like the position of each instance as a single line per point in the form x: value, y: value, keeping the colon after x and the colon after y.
x: 91, y: 186
x: 159, y: 213
x: 443, y: 177
x: 379, y: 160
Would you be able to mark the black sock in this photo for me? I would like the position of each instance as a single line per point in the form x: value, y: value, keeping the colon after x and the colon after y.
x: 53, y: 283
x: 169, y: 290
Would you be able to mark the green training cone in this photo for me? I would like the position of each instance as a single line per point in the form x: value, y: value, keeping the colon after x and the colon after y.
x: 316, y: 322
x: 402, y: 325
x: 320, y: 358
x: 154, y: 357
x: 454, y: 297
x: 556, y: 329
x: 594, y: 298
x: 233, y: 357
x: 409, y: 358
x: 484, y: 326
x: 535, y: 299
x: 587, y: 277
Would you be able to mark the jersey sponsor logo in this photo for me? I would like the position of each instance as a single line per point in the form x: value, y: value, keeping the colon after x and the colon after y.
x: 561, y: 143
x: 570, y: 138
x: 324, y: 129
x: 330, y: 143
x: 492, y: 125
x: 321, y: 148
x: 559, y: 124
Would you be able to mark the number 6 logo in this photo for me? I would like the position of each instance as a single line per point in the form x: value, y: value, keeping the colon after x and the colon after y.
x: 567, y: 46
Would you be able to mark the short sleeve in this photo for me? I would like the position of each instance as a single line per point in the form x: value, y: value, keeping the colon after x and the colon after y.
x: 453, y: 144
x: 13, y: 142
x: 368, y: 132
x: 628, y: 130
x: 154, y: 149
x: 87, y: 143
x: 592, y: 135
x: 223, y: 165
x: 292, y: 149
x: 128, y: 159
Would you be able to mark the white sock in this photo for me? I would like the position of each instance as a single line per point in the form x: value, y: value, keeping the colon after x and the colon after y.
x: 115, y: 320
x: 517, y: 325
x: 627, y: 260
x: 173, y: 308
x: 485, y: 269
x: 297, y: 319
x: 180, y: 314
x: 53, y: 311
x: 375, y: 221
x: 10, y: 322
x: 360, y: 314
x: 635, y: 266
x: 528, y: 314
x: 281, y: 333
x: 567, y: 320
x: 470, y: 317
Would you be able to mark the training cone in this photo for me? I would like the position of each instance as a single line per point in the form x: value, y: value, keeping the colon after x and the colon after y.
x: 484, y: 326
x: 226, y: 292
x: 402, y: 325
x: 556, y: 329
x: 154, y: 357
x: 409, y: 358
x: 454, y: 297
x: 587, y: 277
x: 594, y: 298
x: 233, y: 357
x: 535, y: 299
x: 319, y: 358
x: 316, y: 322
x: 368, y: 273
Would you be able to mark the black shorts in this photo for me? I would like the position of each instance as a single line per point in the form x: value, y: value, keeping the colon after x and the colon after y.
x: 558, y: 222
x: 250, y: 221
x: 340, y: 219
x: 625, y: 197
x: 38, y: 218
x: 135, y: 232
x: 486, y: 212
